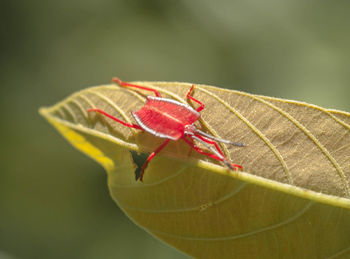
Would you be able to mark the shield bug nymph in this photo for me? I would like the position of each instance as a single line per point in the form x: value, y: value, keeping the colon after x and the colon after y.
x: 173, y: 120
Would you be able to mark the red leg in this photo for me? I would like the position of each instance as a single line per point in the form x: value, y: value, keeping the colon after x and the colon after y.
x: 201, y: 107
x: 135, y: 126
x: 210, y: 142
x: 151, y: 156
x: 199, y: 150
x: 217, y: 148
x: 126, y: 84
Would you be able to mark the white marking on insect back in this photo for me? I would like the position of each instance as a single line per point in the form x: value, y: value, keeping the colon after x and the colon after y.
x: 142, y: 125
x: 185, y: 105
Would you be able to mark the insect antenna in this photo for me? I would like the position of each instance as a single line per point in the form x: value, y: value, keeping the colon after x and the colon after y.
x: 219, y: 139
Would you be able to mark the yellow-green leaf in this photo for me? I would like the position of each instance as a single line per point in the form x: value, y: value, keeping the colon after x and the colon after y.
x: 292, y: 199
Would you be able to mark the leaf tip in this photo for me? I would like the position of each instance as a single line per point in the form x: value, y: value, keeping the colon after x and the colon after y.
x: 42, y: 111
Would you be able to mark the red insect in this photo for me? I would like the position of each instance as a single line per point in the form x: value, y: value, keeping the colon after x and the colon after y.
x: 173, y: 120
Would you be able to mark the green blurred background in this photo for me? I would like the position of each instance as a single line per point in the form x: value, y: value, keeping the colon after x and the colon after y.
x: 54, y: 201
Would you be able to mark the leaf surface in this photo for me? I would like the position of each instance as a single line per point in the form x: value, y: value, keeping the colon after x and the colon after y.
x: 291, y: 200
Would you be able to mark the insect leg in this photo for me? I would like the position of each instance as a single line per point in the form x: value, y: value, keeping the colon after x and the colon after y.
x: 206, y: 142
x: 216, y: 154
x: 126, y: 84
x: 201, y: 107
x: 151, y: 156
x: 210, y: 142
x: 135, y: 126
x: 199, y: 150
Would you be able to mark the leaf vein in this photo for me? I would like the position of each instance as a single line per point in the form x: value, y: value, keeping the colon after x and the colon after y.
x: 81, y: 108
x: 69, y: 110
x: 87, y: 100
x: 256, y: 131
x: 313, y: 138
x: 195, y: 208
x: 244, y: 235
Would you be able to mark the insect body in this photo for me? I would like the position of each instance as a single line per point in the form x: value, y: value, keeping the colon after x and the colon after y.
x: 172, y: 120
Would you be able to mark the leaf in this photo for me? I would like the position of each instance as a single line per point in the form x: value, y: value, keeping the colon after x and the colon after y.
x: 291, y: 200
